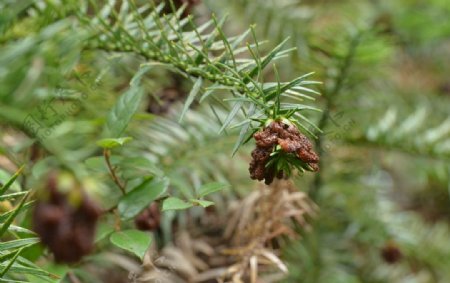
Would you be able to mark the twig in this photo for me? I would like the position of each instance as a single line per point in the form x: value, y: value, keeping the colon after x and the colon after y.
x: 112, y: 172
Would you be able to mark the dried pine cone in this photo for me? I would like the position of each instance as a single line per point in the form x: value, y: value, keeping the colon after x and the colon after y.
x: 68, y: 231
x: 288, y: 137
x: 149, y: 219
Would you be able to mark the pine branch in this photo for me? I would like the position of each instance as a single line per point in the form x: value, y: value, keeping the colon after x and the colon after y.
x: 410, y: 135
x: 174, y: 146
x: 203, y: 53
x: 331, y: 97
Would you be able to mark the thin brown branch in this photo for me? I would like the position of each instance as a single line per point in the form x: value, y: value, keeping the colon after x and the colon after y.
x: 112, y: 171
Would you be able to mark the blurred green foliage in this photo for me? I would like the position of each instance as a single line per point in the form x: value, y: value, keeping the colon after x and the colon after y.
x: 385, y: 168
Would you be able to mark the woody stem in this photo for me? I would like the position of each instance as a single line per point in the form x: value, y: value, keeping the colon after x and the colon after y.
x: 112, y: 171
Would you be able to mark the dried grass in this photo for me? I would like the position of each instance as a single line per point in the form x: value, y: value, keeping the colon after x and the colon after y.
x: 246, y: 250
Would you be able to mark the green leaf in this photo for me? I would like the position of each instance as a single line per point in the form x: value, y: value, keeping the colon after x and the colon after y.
x: 9, y: 183
x: 5, y: 216
x: 120, y: 116
x: 273, y: 91
x: 97, y: 163
x: 12, y: 281
x: 6, y: 256
x: 11, y: 196
x: 11, y: 217
x: 112, y: 143
x: 139, y: 74
x: 141, y: 196
x: 208, y: 92
x: 243, y: 131
x: 134, y: 241
x: 231, y: 115
x: 18, y: 243
x: 3, y: 272
x: 135, y: 167
x: 57, y: 271
x: 173, y: 203
x: 200, y: 202
x: 194, y: 92
x: 17, y: 229
x: 103, y: 231
x: 267, y: 59
x: 33, y: 271
x: 210, y: 188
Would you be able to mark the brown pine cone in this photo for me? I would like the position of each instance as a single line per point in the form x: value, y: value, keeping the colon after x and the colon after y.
x: 257, y: 168
x: 289, y: 139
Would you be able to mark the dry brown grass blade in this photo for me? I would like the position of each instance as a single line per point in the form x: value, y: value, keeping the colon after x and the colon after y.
x: 273, y: 258
x: 174, y: 259
x: 211, y: 275
x: 187, y: 247
x: 253, y: 269
x: 243, y: 214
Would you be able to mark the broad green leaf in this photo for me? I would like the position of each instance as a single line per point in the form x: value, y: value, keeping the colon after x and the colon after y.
x: 140, y: 197
x: 194, y: 92
x: 120, y: 116
x: 173, y: 203
x: 112, y: 143
x: 103, y: 231
x: 134, y: 241
x: 200, y: 202
x: 210, y: 188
